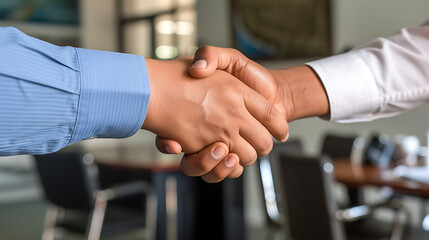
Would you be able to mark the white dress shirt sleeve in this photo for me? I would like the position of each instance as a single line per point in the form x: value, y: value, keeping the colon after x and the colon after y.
x: 379, y: 79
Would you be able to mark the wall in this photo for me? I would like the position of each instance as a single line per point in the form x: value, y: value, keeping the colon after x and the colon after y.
x: 98, y: 26
x: 356, y: 22
x: 213, y: 21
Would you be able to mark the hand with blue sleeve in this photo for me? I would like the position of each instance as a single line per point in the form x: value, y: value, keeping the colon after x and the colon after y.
x: 53, y: 96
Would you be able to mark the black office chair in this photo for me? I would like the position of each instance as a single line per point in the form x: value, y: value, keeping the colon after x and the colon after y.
x: 71, y: 185
x: 345, y: 147
x: 270, y: 195
x: 340, y: 146
x: 310, y: 207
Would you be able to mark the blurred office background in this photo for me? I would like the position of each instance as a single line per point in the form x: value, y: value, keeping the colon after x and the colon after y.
x: 165, y: 29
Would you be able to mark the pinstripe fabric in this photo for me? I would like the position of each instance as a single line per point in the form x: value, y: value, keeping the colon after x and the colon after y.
x: 53, y: 96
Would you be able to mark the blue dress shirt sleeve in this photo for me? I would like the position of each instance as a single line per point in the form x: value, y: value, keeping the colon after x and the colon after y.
x: 53, y: 96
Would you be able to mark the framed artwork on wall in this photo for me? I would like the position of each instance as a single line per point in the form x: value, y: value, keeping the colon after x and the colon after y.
x: 282, y: 28
x: 55, y: 21
x: 41, y: 11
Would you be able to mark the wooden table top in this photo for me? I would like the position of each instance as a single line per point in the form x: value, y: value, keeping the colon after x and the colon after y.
x: 369, y: 175
x: 124, y: 164
x: 136, y: 159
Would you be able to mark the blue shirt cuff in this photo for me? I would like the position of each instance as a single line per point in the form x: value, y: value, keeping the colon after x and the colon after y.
x: 114, y: 95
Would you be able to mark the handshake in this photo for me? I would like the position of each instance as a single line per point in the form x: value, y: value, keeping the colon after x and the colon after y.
x: 224, y: 119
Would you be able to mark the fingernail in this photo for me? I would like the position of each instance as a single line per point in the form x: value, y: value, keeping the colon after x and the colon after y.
x: 230, y: 162
x: 169, y: 149
x: 286, y: 138
x: 218, y: 153
x: 199, y: 64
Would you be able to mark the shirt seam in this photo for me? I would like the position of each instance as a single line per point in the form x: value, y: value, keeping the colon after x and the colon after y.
x: 410, y: 95
x: 27, y: 142
x: 80, y: 94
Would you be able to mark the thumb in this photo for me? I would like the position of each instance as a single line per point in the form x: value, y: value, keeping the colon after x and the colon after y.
x: 205, y: 62
x: 208, y: 59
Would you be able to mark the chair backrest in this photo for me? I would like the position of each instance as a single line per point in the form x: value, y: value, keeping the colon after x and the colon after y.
x: 307, y: 197
x: 68, y: 179
x: 270, y: 195
x: 336, y: 146
x: 379, y: 151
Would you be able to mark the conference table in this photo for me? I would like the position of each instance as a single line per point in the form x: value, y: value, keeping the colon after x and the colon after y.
x: 354, y: 175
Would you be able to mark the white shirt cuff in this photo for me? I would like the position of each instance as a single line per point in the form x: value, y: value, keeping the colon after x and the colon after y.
x: 350, y: 86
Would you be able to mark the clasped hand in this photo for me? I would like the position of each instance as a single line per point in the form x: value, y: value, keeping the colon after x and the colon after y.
x: 219, y: 122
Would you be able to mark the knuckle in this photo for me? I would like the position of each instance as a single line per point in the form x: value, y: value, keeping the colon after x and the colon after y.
x: 241, y: 62
x: 218, y: 175
x: 265, y: 147
x: 234, y: 176
x: 195, y: 168
x: 235, y: 52
x: 188, y: 172
x: 235, y: 111
x: 245, y: 162
x: 183, y: 166
x: 203, y: 167
x: 269, y: 114
x: 211, y: 179
x: 204, y: 50
x: 237, y: 172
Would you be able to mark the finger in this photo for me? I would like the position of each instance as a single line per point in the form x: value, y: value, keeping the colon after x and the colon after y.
x: 267, y: 114
x: 204, y: 161
x: 238, y: 170
x: 222, y: 170
x: 225, y: 167
x: 165, y: 145
x: 256, y: 135
x: 207, y: 59
x: 246, y: 153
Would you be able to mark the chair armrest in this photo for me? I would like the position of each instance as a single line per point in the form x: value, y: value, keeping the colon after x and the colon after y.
x: 121, y: 191
x: 395, y: 204
x: 359, y: 212
x: 353, y: 213
x: 127, y: 189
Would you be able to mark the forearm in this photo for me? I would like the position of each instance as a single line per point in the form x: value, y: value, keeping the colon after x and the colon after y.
x: 302, y: 91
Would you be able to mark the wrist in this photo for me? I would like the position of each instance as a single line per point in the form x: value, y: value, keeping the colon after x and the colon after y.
x: 168, y: 94
x: 151, y: 115
x: 302, y: 92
